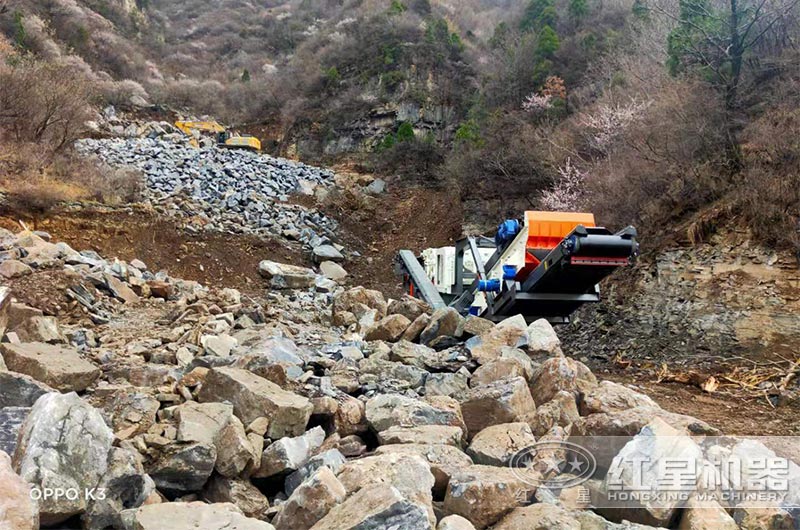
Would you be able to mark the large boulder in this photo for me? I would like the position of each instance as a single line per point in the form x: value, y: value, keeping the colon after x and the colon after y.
x: 443, y: 459
x: 193, y: 516
x: 20, y: 390
x: 561, y: 373
x: 454, y: 522
x: 332, y: 270
x: 389, y: 328
x: 561, y: 411
x: 484, y: 494
x: 361, y: 304
x: 254, y: 397
x: 64, y: 444
x: 498, y: 369
x: 18, y: 510
x: 332, y: 459
x: 125, y: 485
x: 542, y: 339
x: 59, y: 367
x: 609, y: 397
x: 393, y: 410
x: 409, y: 473
x: 377, y: 508
x: 497, y: 445
x: 311, y: 501
x: 182, y: 468
x: 241, y: 493
x: 539, y: 517
x: 201, y: 422
x: 288, y: 454
x: 283, y: 276
x: 444, y: 322
x: 235, y: 451
x: 488, y: 346
x: 409, y: 307
x: 506, y: 401
x: 657, y: 442
x: 423, y: 434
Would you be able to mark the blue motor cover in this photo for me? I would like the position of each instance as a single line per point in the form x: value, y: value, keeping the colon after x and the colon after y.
x: 507, y: 231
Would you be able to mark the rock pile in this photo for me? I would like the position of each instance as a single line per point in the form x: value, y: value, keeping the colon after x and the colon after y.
x: 317, y: 409
x: 225, y: 190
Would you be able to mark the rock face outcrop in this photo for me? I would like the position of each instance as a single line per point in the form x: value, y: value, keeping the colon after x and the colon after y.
x: 63, y: 445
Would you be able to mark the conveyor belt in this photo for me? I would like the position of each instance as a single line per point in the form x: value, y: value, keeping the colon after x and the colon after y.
x: 567, y: 278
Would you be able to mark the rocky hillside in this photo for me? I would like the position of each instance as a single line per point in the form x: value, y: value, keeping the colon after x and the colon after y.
x: 311, y: 406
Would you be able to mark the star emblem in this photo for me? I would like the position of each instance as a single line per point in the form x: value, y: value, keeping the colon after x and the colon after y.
x: 575, y: 464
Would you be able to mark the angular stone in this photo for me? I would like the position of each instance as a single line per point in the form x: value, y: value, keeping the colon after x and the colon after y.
x: 705, y: 516
x: 183, y: 468
x: 202, y: 422
x: 496, y: 445
x: 333, y: 459
x: 381, y: 507
x: 38, y: 329
x: 326, y: 253
x: 194, y: 516
x: 18, y: 511
x: 497, y: 370
x: 474, y: 326
x: 507, y: 401
x: 451, y: 385
x: 561, y: 411
x: 454, y: 522
x: 219, y: 346
x: 608, y: 397
x: 561, y: 373
x: 488, y: 347
x: 332, y: 270
x: 59, y: 367
x: 765, y: 517
x: 415, y: 329
x: 235, y: 453
x: 12, y: 268
x: 409, y: 353
x: 311, y: 501
x: 375, y: 370
x: 484, y: 494
x: 282, y: 276
x: 19, y: 390
x: 240, y: 493
x: 409, y: 473
x: 350, y: 416
x: 445, y: 460
x: 388, y: 329
x: 539, y: 517
x: 129, y: 410
x: 392, y: 410
x: 659, y: 442
x: 120, y: 289
x: 408, y: 306
x: 11, y: 420
x: 359, y: 301
x: 253, y: 397
x: 424, y: 434
x: 444, y: 322
x: 63, y: 443
x: 289, y: 454
x: 542, y: 339
x: 124, y: 485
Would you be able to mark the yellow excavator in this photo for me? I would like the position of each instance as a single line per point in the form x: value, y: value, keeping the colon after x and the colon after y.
x: 224, y: 137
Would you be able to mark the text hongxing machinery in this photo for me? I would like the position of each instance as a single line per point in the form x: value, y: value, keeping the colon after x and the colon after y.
x: 545, y: 266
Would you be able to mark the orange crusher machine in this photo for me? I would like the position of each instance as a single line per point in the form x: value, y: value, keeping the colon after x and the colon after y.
x: 545, y: 266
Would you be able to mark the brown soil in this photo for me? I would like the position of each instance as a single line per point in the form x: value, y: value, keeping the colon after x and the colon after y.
x: 210, y: 258
x: 731, y: 412
x: 404, y: 218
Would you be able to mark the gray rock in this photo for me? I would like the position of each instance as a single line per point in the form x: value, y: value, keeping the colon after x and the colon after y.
x: 327, y: 253
x: 19, y: 390
x: 289, y: 454
x: 332, y: 459
x: 63, y: 443
x: 183, y: 468
x: 192, y: 516
x: 377, y: 508
x: 239, y: 492
x: 333, y: 270
x: 311, y: 501
x: 282, y: 276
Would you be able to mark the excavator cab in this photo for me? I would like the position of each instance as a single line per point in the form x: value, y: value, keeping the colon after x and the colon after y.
x: 224, y: 137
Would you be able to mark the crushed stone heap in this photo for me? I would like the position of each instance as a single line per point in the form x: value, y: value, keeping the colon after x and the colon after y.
x: 230, y: 190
